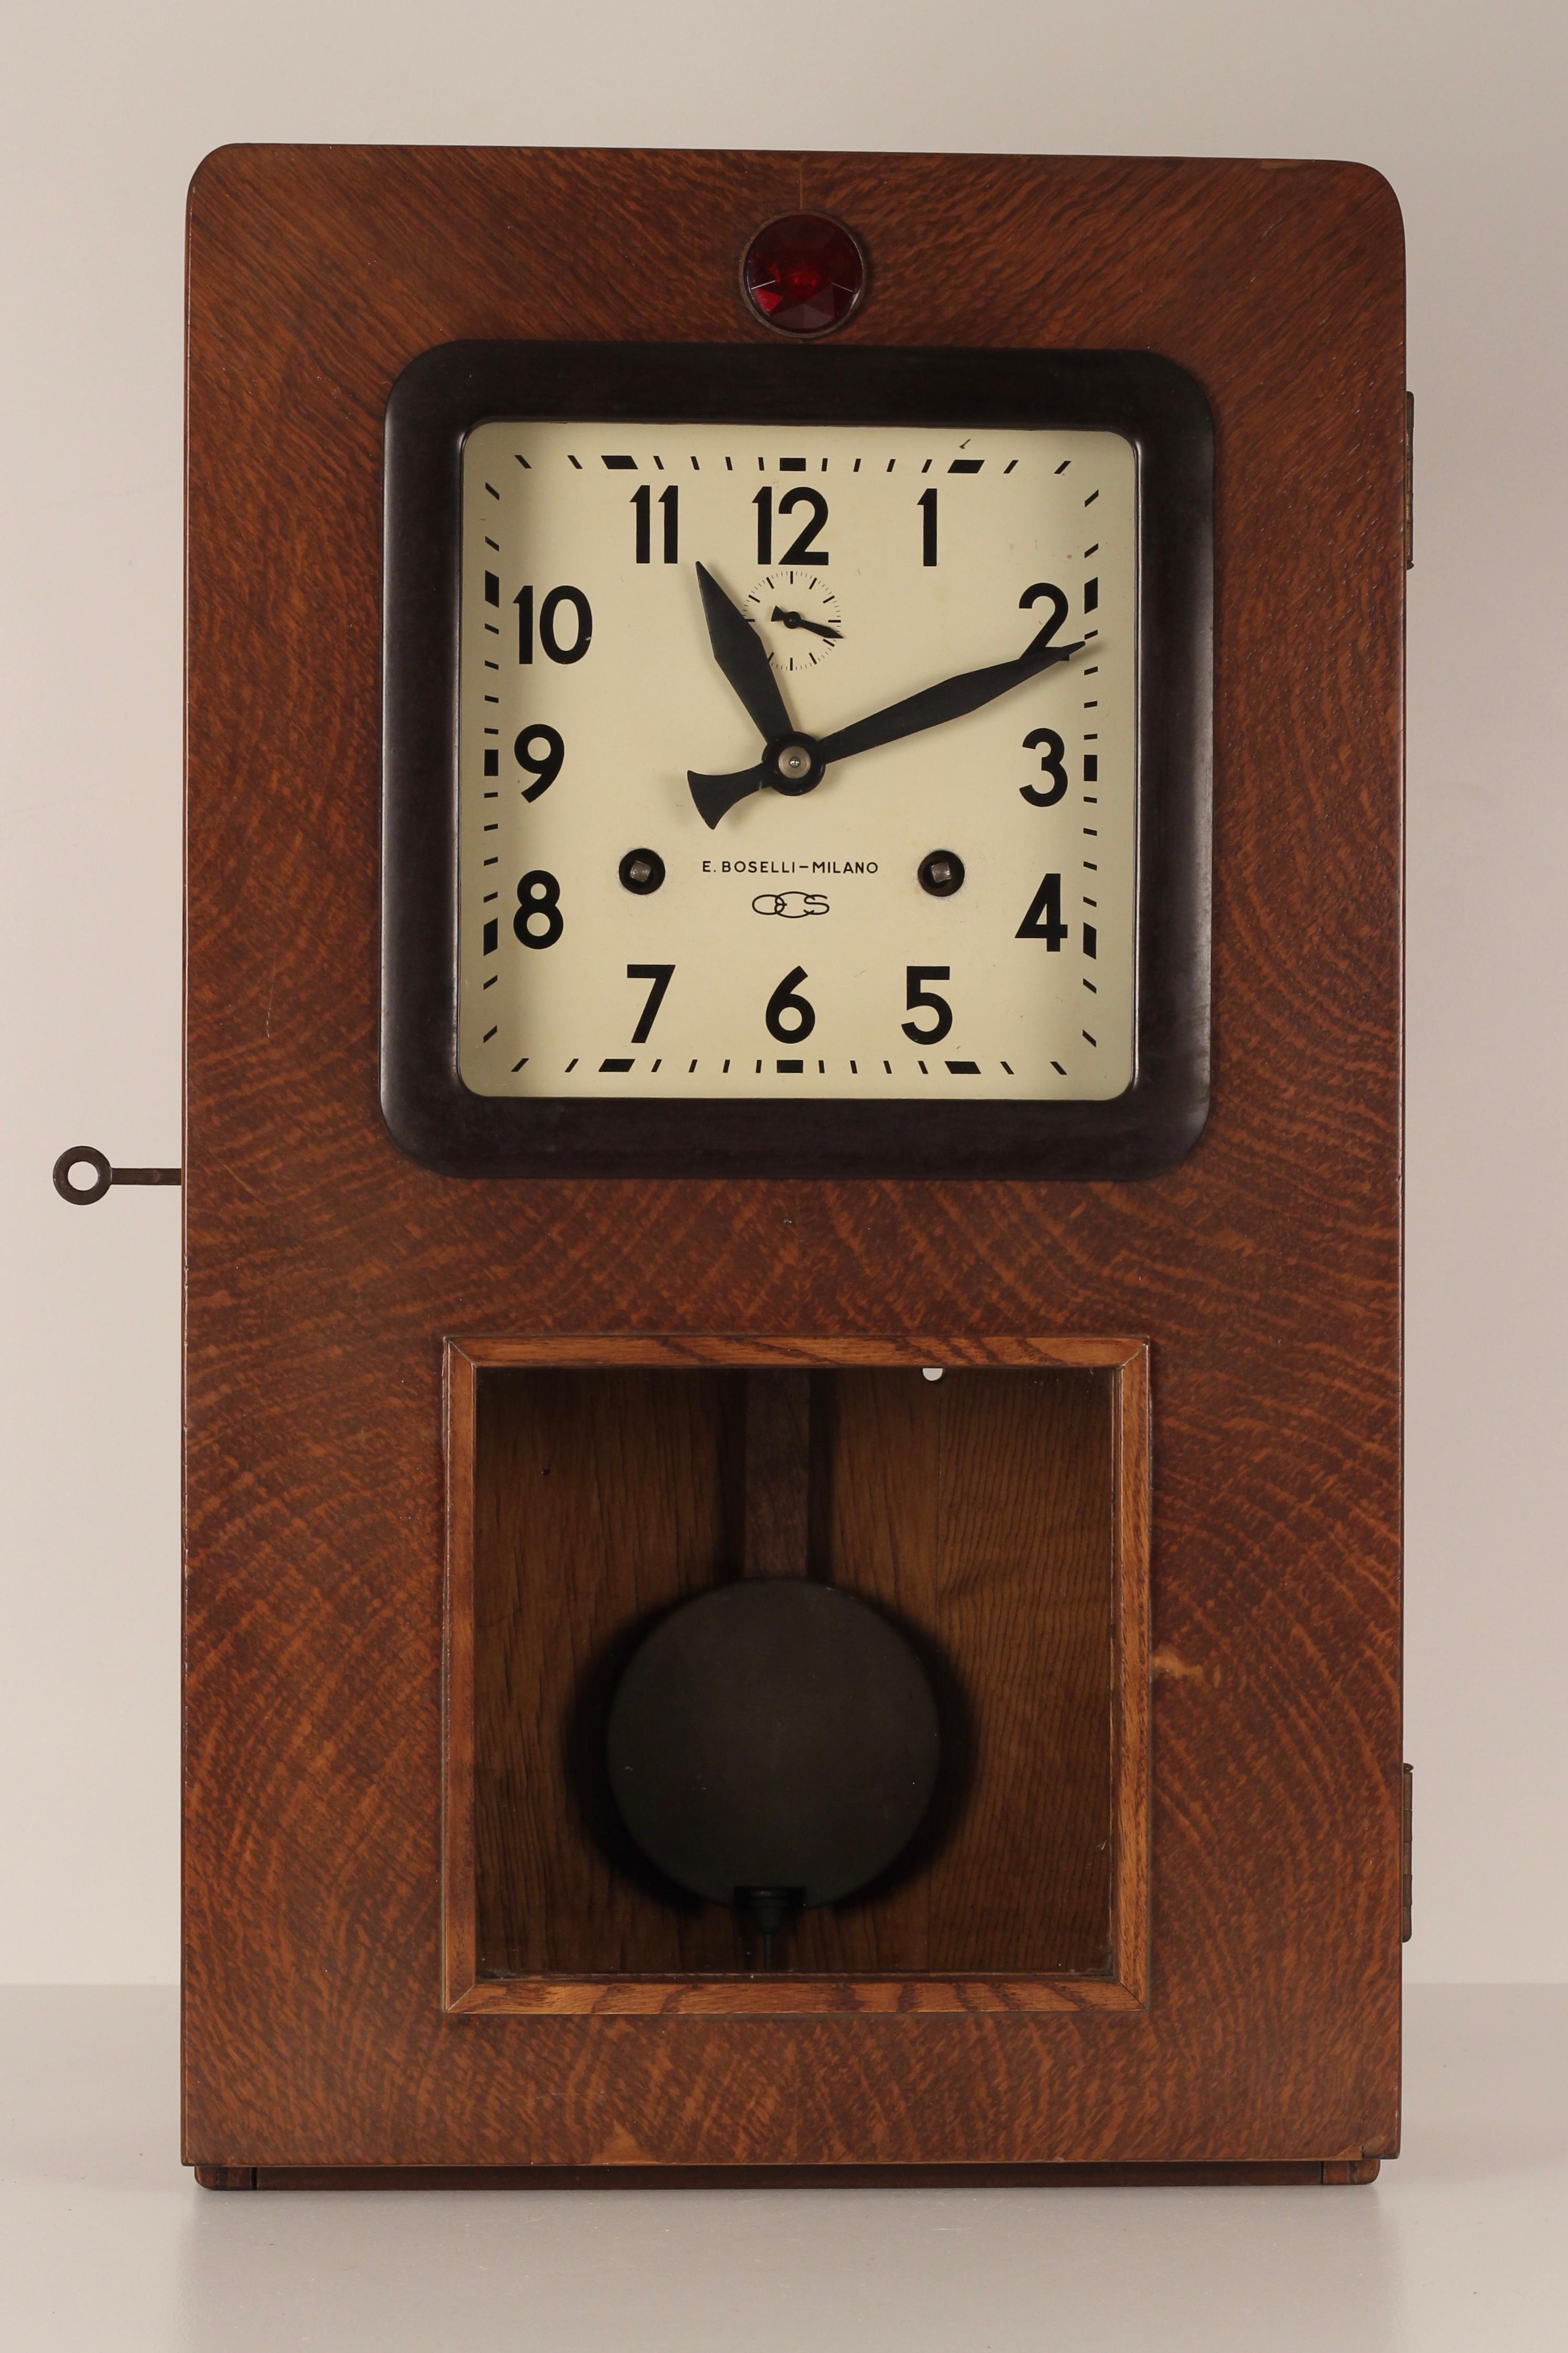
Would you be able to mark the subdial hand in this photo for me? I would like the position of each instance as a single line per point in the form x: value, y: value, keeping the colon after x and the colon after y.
x: 799, y: 621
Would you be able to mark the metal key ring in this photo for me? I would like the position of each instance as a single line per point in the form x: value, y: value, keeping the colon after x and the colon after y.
x: 104, y: 1176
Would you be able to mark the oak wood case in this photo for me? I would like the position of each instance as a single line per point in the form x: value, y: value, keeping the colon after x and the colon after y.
x: 325, y: 1269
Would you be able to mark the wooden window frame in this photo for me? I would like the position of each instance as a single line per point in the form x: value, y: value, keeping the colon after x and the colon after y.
x: 1126, y: 1985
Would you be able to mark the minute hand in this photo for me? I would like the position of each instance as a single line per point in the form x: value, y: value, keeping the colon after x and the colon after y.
x: 935, y: 704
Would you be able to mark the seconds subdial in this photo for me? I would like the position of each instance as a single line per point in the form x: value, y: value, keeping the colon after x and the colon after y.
x: 796, y: 614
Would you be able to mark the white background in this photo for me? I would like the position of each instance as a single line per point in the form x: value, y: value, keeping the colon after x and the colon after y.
x: 104, y: 113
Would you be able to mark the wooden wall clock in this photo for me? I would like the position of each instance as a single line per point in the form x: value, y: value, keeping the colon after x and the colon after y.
x: 792, y: 1168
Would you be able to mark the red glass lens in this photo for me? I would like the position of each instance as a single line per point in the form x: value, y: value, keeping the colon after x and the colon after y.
x: 804, y: 274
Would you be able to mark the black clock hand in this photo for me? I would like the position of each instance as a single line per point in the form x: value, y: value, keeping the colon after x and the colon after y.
x: 716, y: 796
x: 932, y: 707
x: 799, y: 621
x: 742, y: 657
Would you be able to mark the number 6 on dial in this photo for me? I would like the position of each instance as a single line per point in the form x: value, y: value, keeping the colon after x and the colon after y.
x: 783, y: 1000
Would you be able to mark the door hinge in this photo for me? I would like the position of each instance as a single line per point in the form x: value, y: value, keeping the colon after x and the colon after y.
x: 1409, y: 479
x: 1407, y: 1782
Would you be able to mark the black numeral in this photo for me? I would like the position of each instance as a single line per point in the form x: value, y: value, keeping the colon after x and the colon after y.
x: 1058, y: 608
x: 1044, y: 920
x: 548, y: 612
x: 662, y: 975
x: 800, y: 550
x: 544, y: 771
x: 926, y: 504
x: 1050, y: 765
x: 783, y: 1000
x: 669, y: 500
x: 920, y: 999
x: 538, y: 901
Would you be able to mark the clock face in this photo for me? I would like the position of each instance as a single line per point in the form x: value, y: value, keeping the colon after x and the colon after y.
x: 685, y: 871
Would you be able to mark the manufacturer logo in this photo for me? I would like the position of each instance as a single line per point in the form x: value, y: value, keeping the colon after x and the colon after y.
x: 789, y: 903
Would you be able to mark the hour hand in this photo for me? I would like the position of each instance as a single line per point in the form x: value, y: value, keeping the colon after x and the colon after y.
x: 741, y: 655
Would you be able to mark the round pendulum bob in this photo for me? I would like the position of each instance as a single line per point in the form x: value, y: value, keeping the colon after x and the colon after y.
x: 774, y: 1736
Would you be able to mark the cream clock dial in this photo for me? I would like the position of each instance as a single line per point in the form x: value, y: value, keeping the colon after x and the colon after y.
x: 797, y: 761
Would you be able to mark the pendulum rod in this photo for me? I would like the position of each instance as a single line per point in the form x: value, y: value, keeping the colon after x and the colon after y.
x: 777, y: 1543
x: 778, y: 1474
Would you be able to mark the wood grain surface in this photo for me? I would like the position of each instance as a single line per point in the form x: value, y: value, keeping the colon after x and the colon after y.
x: 324, y: 1270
